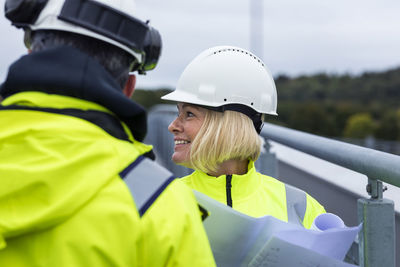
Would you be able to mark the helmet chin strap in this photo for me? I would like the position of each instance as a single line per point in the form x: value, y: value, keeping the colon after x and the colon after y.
x: 248, y: 111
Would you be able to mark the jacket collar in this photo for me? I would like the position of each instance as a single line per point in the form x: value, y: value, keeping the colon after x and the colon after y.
x: 243, y: 186
x: 69, y: 72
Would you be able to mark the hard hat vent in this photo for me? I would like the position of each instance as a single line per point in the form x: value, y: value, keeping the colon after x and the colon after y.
x: 241, y: 51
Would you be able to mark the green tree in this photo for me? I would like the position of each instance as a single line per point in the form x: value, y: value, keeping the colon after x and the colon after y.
x: 150, y: 98
x: 359, y: 125
x: 388, y: 126
x: 311, y: 117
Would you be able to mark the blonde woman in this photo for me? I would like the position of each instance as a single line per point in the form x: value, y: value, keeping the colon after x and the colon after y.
x: 221, y: 98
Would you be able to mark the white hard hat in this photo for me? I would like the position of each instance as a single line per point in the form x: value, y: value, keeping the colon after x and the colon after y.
x: 226, y: 75
x: 111, y: 21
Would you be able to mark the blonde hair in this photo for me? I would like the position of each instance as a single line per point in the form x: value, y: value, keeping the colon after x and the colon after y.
x: 224, y: 136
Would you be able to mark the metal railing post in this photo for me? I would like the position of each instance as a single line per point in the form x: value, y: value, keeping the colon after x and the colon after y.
x: 377, y: 239
x: 267, y: 162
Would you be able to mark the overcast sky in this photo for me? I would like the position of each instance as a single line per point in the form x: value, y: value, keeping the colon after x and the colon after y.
x: 296, y: 37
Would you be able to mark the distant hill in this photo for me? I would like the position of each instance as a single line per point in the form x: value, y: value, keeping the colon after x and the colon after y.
x: 368, y: 88
x: 330, y: 105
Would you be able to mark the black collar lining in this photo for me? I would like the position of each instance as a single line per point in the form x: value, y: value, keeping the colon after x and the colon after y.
x: 67, y: 71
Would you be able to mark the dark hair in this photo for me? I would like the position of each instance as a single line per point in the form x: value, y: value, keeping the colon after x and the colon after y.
x: 114, y: 59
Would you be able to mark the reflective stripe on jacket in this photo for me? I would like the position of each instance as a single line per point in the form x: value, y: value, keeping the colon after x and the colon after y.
x: 62, y: 199
x: 146, y: 191
x: 258, y: 195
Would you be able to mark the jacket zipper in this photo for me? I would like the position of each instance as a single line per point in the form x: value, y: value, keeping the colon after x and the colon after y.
x: 228, y: 190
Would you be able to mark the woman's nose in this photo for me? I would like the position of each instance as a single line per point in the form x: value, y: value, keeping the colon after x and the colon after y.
x: 174, y: 126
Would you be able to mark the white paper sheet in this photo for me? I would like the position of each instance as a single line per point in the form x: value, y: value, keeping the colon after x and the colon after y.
x: 331, y: 237
x: 327, y: 221
x: 238, y: 240
x: 334, y: 242
x: 278, y: 253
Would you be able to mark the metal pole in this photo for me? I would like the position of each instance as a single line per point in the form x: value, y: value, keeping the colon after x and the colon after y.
x: 256, y: 27
x: 376, y: 241
x: 267, y: 163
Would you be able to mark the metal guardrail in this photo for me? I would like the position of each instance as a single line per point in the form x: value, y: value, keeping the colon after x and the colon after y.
x: 392, y: 147
x: 377, y: 240
x: 375, y: 164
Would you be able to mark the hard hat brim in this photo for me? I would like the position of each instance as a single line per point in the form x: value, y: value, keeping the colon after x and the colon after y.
x: 185, y: 97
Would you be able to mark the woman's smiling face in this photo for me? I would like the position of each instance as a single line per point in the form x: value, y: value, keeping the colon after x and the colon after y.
x: 185, y: 128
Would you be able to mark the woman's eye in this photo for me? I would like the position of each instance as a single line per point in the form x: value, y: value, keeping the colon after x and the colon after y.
x: 189, y: 114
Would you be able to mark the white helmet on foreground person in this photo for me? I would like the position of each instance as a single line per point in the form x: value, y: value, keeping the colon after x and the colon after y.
x: 107, y: 20
x: 224, y: 75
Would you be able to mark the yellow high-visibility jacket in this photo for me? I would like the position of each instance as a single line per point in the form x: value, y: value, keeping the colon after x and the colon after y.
x: 257, y: 195
x: 64, y: 200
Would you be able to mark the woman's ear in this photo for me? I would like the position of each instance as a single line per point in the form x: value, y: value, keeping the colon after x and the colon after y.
x: 130, y: 86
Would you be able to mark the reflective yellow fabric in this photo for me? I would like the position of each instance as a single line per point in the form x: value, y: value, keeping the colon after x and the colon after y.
x: 177, y: 244
x: 63, y: 203
x: 253, y: 194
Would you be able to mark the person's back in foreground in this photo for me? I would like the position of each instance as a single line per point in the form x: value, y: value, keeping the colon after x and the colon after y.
x: 221, y: 97
x: 77, y: 186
